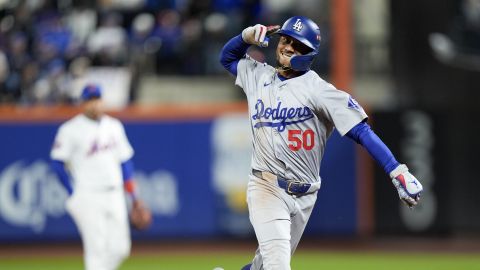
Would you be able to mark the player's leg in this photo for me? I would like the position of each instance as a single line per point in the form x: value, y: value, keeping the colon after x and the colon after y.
x: 272, y: 254
x: 257, y: 263
x: 304, y: 205
x: 90, y: 220
x: 118, y: 237
x: 269, y: 211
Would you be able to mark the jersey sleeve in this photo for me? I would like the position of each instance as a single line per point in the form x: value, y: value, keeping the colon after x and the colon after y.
x: 245, y: 73
x: 341, y: 109
x: 125, y: 150
x: 63, y: 145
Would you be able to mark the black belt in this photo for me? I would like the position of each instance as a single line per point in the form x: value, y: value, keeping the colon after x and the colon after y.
x: 292, y: 187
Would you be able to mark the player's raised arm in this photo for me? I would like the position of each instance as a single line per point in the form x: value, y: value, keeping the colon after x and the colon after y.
x: 236, y: 48
x: 408, y: 187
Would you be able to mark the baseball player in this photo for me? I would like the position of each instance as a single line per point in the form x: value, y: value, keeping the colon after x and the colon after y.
x: 96, y: 151
x: 292, y: 113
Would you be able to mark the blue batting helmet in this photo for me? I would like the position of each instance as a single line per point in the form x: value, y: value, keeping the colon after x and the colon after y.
x: 91, y: 91
x: 308, y: 33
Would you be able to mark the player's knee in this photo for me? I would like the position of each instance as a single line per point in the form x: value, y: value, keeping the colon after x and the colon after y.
x: 276, y: 254
x: 269, y: 230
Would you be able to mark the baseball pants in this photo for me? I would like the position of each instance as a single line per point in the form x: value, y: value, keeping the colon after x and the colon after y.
x: 279, y: 220
x: 102, y: 220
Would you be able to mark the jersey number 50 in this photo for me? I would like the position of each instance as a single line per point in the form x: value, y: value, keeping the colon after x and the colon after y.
x: 299, y: 139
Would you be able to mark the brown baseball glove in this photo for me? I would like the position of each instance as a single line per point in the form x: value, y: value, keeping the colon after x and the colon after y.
x: 140, y: 215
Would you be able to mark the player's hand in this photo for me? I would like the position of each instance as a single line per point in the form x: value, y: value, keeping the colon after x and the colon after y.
x: 408, y: 187
x: 140, y: 215
x: 258, y: 34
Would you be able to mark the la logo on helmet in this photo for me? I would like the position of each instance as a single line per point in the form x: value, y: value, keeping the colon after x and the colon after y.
x: 298, y: 25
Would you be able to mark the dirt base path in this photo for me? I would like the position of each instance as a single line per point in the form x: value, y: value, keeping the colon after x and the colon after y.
x: 454, y: 245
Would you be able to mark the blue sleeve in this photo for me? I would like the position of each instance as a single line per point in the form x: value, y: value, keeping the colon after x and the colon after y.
x: 127, y: 170
x: 59, y: 168
x: 232, y: 52
x: 364, y: 135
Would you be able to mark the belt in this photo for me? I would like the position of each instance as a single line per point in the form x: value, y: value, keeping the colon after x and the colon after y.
x: 292, y: 187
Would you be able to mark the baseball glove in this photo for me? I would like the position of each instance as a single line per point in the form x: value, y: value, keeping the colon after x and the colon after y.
x: 140, y: 215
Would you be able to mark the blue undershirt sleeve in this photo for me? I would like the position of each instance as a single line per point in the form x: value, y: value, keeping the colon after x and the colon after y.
x: 234, y: 50
x: 127, y: 170
x: 364, y: 135
x: 59, y: 168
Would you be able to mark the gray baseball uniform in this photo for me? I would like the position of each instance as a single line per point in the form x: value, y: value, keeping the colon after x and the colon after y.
x: 291, y: 121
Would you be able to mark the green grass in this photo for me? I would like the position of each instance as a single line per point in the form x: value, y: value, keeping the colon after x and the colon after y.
x: 233, y: 261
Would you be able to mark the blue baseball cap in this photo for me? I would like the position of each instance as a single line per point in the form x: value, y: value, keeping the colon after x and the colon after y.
x: 91, y: 91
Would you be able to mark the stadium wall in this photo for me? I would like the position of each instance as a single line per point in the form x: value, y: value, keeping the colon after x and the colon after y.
x: 191, y: 163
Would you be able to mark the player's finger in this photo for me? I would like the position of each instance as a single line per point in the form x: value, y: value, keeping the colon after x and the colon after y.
x: 263, y: 33
x: 263, y: 39
x: 272, y: 29
x: 407, y: 204
x: 258, y: 32
x: 269, y: 30
x: 264, y: 43
x: 410, y: 201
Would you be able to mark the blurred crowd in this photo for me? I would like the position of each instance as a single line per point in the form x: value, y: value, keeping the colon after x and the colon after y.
x: 46, y: 45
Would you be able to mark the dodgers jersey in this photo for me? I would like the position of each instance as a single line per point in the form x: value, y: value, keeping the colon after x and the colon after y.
x: 291, y: 120
x: 93, y: 151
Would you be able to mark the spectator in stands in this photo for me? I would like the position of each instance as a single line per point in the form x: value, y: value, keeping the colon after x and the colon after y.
x: 169, y: 31
x: 40, y: 40
x: 143, y: 43
x: 53, y: 86
x: 107, y: 44
x: 17, y: 57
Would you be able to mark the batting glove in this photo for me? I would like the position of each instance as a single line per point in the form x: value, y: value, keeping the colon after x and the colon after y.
x: 258, y: 34
x: 408, y: 187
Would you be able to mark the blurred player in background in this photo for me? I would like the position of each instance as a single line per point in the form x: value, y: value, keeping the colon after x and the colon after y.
x: 96, y: 151
x: 292, y: 113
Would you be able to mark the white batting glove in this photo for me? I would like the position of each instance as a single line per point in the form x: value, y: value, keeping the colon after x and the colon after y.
x: 408, y: 187
x: 258, y: 34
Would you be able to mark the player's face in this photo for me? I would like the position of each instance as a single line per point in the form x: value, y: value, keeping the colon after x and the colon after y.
x: 287, y: 47
x: 93, y: 108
